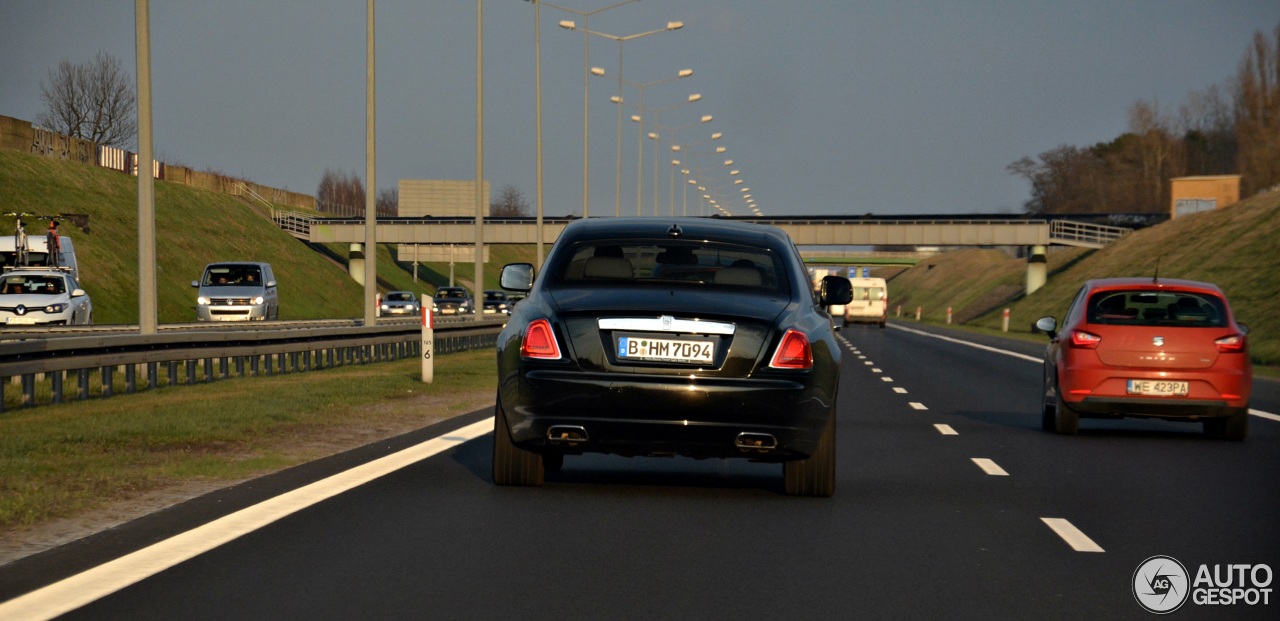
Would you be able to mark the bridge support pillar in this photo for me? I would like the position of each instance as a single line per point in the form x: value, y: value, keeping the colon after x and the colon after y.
x: 1037, y: 268
x: 355, y: 263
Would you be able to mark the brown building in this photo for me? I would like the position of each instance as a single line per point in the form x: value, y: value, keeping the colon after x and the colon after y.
x: 1206, y: 193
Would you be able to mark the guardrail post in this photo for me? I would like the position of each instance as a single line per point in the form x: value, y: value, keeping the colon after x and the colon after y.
x: 153, y: 375
x: 107, y: 379
x: 283, y: 363
x: 222, y: 367
x: 191, y: 371
x: 3, y: 381
x: 130, y: 378
x: 55, y: 383
x: 173, y: 372
x: 253, y: 365
x: 82, y: 378
x: 209, y: 375
x: 28, y: 389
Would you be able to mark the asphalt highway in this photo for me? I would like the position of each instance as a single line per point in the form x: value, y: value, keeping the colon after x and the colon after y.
x: 951, y: 503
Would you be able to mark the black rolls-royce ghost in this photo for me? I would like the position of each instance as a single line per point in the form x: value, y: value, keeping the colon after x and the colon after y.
x: 646, y: 336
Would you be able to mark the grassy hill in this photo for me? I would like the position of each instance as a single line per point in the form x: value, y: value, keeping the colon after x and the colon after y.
x: 1238, y: 248
x: 195, y: 227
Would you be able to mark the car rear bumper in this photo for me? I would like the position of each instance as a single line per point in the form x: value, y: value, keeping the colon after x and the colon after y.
x: 703, y: 417
x: 1171, y: 408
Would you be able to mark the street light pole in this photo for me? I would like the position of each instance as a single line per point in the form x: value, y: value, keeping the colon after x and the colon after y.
x: 586, y: 88
x: 638, y: 118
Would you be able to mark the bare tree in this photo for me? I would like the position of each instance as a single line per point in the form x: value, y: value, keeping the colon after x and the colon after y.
x: 341, y: 194
x: 389, y: 202
x: 511, y: 203
x: 1258, y: 113
x: 1208, y: 126
x: 93, y: 101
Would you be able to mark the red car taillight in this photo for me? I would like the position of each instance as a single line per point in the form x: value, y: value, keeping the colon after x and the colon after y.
x: 1085, y: 340
x: 793, y: 352
x: 1233, y: 344
x: 540, y: 341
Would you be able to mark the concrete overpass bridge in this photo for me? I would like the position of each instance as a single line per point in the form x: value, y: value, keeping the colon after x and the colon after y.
x: 1036, y: 232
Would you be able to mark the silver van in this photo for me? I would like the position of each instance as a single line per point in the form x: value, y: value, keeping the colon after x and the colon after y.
x: 237, y: 291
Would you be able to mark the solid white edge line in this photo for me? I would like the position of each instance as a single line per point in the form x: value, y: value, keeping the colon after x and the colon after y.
x: 92, y: 584
x: 970, y: 344
x: 1258, y: 413
x: 1072, y: 535
x: 946, y: 430
x: 990, y: 467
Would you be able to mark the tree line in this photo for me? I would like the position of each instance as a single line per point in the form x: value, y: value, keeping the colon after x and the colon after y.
x: 1221, y: 130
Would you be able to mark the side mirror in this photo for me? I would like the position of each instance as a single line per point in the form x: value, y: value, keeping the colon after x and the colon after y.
x: 835, y: 290
x: 517, y: 276
x: 271, y: 284
x: 1048, y: 325
x: 195, y: 283
x: 78, y: 293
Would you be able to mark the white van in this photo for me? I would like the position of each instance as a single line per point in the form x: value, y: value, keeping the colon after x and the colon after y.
x: 870, y: 303
x: 237, y: 291
x: 38, y: 253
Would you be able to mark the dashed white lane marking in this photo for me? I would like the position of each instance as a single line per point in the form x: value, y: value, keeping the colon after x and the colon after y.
x: 93, y: 584
x: 1072, y: 535
x: 862, y: 357
x: 946, y: 430
x: 869, y: 363
x: 990, y: 467
x: 886, y: 379
x: 917, y: 405
x: 900, y: 390
x: 875, y: 370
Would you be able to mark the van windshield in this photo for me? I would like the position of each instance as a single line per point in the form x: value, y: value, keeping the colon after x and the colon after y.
x: 232, y: 276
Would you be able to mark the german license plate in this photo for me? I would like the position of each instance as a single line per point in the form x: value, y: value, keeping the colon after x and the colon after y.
x: 1158, y: 388
x: 666, y: 350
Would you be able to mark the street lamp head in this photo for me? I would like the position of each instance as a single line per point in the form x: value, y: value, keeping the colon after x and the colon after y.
x: 735, y: 172
x: 675, y: 147
x: 692, y: 182
x: 684, y: 73
x: 568, y: 24
x: 706, y: 118
x: 653, y: 135
x: 615, y: 99
x: 597, y: 71
x: 675, y: 162
x: 717, y: 135
x: 694, y: 97
x: 635, y: 117
x: 675, y: 25
x: 721, y: 149
x: 728, y: 162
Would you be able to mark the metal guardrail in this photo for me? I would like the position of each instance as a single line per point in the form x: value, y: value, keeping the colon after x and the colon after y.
x: 43, y: 363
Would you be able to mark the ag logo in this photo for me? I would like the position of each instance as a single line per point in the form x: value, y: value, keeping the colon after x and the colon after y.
x: 1160, y: 584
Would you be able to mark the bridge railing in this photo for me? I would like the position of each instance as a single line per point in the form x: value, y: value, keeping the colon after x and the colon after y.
x: 1071, y: 233
x: 295, y: 223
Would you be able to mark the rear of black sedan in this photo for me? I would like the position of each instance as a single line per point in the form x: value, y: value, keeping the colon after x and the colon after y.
x: 647, y: 337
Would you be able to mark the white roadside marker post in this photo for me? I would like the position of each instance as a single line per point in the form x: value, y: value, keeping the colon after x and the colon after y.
x: 428, y: 345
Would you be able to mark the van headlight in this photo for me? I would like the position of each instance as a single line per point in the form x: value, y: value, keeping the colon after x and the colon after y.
x: 202, y: 301
x: 259, y: 300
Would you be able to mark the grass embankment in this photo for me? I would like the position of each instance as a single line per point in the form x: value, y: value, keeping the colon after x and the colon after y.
x: 195, y: 227
x: 1236, y: 248
x: 62, y: 460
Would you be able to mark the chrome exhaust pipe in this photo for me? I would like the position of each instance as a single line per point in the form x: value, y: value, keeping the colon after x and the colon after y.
x: 756, y: 441
x: 569, y: 434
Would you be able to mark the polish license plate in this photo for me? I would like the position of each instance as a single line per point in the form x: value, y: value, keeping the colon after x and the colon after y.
x: 1158, y: 388
x: 689, y: 351
x: 22, y: 321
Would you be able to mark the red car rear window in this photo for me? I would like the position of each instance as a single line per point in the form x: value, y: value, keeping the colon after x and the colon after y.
x: 1157, y: 308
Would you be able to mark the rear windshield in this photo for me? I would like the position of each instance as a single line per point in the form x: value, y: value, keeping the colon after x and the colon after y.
x: 1157, y: 308
x: 233, y: 276
x: 692, y: 263
x: 868, y: 293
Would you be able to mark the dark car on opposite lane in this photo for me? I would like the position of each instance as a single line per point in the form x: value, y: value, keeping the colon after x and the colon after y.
x: 645, y: 336
x: 1157, y: 348
x: 452, y: 301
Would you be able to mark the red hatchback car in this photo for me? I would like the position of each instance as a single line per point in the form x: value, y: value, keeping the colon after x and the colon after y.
x: 1151, y: 348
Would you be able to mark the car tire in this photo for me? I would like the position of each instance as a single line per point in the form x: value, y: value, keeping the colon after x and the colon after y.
x: 512, y: 465
x: 815, y: 476
x: 881, y: 325
x: 1234, y: 427
x: 1048, y: 408
x: 1065, y: 420
x: 552, y: 462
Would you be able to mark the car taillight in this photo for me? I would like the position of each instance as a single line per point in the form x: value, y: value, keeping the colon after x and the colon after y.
x: 1233, y: 344
x: 540, y: 341
x: 1084, y: 340
x: 793, y: 352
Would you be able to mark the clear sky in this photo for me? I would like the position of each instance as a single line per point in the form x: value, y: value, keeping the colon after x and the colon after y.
x: 826, y: 106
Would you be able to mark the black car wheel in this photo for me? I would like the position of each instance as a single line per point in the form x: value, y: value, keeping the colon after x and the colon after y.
x: 512, y: 465
x: 1234, y: 427
x: 815, y: 476
x: 1047, y: 406
x: 1065, y: 420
